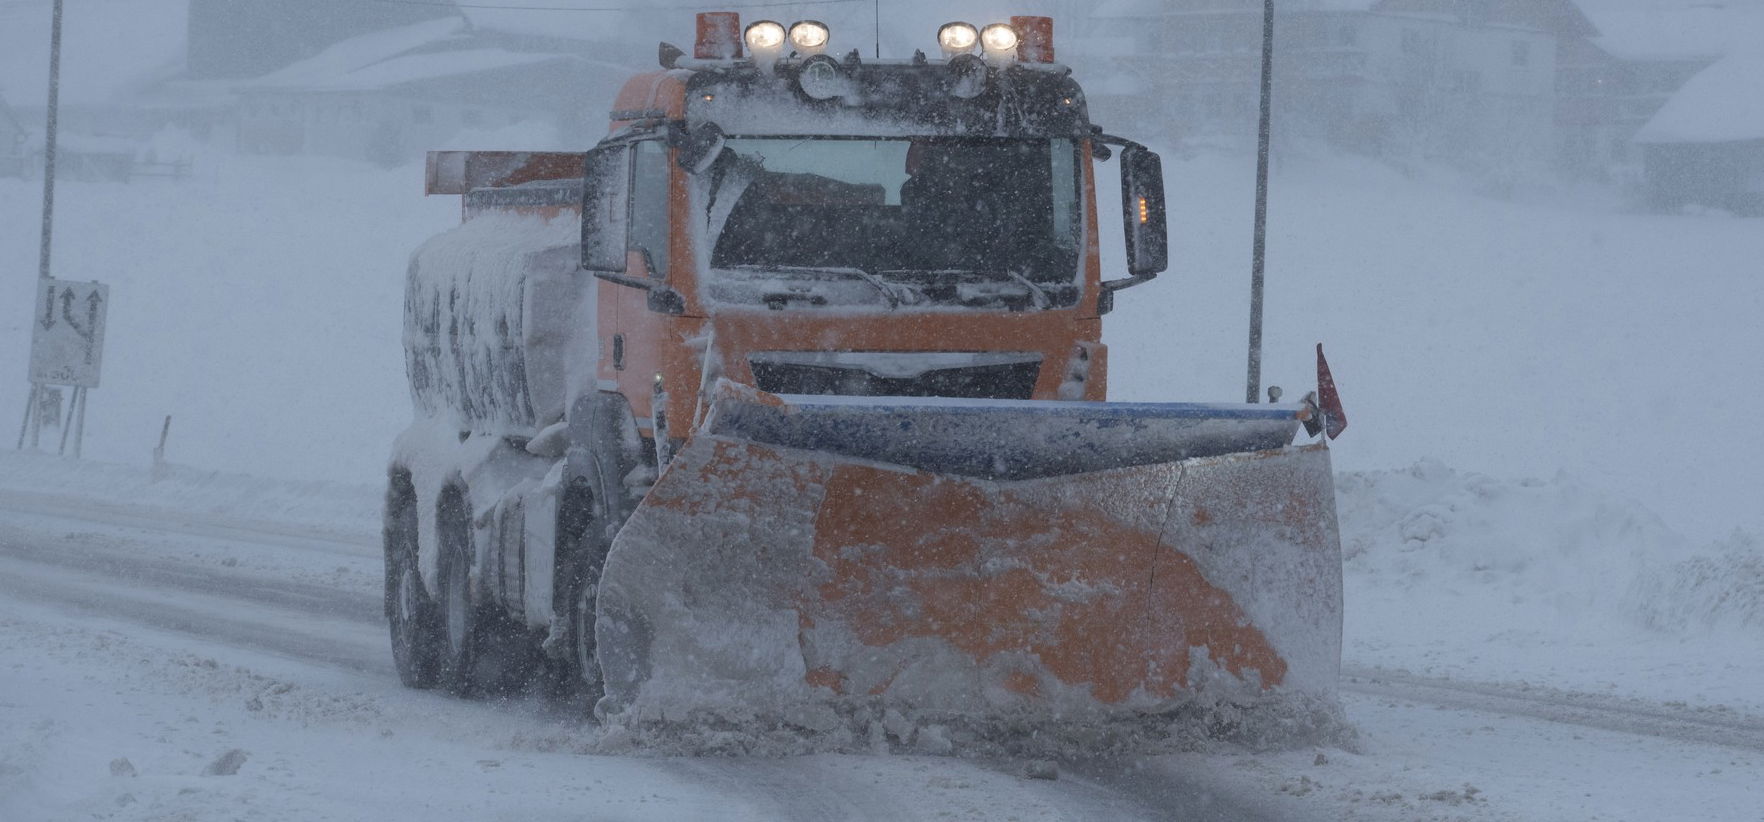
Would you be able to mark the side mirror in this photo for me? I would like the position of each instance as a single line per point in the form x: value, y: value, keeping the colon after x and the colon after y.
x: 1142, y: 211
x: 606, y: 194
x: 697, y: 149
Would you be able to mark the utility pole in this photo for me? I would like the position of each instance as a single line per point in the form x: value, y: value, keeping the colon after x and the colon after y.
x: 1259, y: 254
x: 49, y: 142
x: 33, y: 414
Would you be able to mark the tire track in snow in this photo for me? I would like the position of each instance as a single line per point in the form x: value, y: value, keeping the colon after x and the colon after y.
x: 29, y: 576
x: 182, y: 575
x: 1704, y: 726
x: 303, y: 634
x: 197, y: 525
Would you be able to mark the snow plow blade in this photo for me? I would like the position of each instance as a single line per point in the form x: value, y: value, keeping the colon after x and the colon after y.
x: 865, y: 568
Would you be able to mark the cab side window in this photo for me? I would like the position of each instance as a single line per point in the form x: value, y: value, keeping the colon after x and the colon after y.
x: 649, y: 203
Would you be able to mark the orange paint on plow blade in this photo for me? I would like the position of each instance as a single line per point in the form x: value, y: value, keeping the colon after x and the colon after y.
x: 994, y: 569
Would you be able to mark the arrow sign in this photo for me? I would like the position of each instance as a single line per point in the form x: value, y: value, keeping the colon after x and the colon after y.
x: 94, y: 301
x: 69, y: 349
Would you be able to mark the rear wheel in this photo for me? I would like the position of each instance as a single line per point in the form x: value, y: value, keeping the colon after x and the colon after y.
x: 415, y: 629
x: 483, y: 651
x: 461, y: 629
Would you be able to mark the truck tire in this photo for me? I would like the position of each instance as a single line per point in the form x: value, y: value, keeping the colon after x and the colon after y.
x: 593, y: 507
x: 460, y: 614
x: 482, y: 651
x: 583, y: 545
x: 410, y: 614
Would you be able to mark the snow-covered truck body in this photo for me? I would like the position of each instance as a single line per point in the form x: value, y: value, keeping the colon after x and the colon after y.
x: 788, y: 402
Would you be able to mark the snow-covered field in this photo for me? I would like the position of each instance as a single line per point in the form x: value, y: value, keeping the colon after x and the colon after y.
x: 1555, y: 576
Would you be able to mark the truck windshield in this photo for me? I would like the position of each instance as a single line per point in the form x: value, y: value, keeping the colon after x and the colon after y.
x: 991, y: 223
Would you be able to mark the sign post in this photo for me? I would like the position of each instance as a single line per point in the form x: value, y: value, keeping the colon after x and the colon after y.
x: 67, y: 348
x: 67, y: 332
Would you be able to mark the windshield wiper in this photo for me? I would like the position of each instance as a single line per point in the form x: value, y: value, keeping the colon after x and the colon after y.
x: 1037, y: 293
x: 878, y: 283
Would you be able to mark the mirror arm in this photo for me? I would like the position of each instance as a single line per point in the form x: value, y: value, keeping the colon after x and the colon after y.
x: 1112, y: 140
x: 621, y: 278
x: 1127, y: 282
x: 662, y: 298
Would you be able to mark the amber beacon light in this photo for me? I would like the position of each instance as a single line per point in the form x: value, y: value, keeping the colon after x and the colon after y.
x: 1035, y: 39
x: 719, y: 36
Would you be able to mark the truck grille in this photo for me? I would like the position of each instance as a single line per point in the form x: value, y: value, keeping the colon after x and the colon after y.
x: 983, y: 375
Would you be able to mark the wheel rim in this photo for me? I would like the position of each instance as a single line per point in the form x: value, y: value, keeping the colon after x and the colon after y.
x: 456, y: 609
x: 407, y: 606
x: 587, y: 667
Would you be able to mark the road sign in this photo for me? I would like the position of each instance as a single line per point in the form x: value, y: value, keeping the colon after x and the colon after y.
x: 67, y: 333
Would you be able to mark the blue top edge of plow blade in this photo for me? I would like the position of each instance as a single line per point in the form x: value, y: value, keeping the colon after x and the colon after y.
x: 1008, y: 439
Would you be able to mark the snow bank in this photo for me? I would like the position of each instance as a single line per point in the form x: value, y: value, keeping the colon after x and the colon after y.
x: 1554, y: 549
x: 1457, y: 574
x: 31, y: 481
x: 1720, y: 589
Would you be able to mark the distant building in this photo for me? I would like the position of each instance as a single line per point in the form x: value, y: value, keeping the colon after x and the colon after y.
x: 1705, y: 146
x: 249, y: 38
x: 1610, y: 83
x: 1436, y: 78
x: 390, y: 95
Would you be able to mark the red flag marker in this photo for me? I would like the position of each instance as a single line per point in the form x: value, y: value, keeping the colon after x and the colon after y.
x: 1335, y: 419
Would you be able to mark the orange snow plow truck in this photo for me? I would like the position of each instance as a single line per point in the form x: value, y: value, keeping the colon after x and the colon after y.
x: 786, y: 405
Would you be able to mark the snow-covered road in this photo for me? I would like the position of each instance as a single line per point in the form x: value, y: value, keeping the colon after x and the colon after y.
x: 169, y: 638
x: 289, y: 628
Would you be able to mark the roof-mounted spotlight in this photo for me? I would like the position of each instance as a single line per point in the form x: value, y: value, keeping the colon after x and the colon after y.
x: 957, y: 38
x: 764, y: 36
x: 809, y: 37
x: 765, y: 43
x: 999, y: 42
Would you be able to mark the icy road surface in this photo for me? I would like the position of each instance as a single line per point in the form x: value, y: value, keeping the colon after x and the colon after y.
x: 140, y: 648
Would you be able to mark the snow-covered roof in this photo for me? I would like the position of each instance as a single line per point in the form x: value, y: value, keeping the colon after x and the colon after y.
x: 589, y: 26
x: 357, y: 53
x: 1723, y: 103
x: 1676, y: 33
x: 412, y: 68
